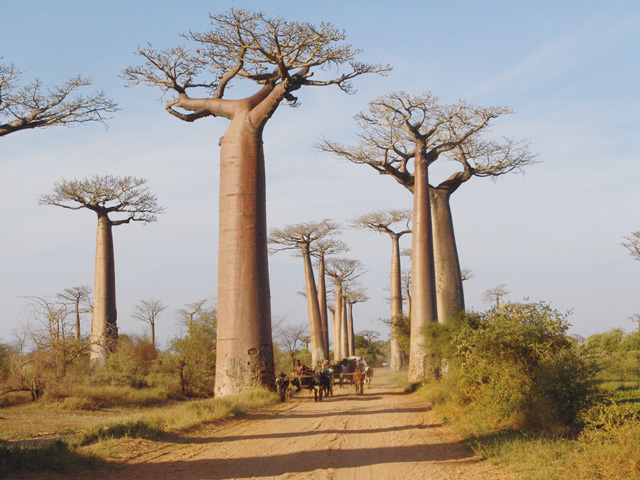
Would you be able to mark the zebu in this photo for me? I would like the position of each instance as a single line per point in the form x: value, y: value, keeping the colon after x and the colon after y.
x: 368, y: 376
x: 282, y: 386
x: 358, y: 379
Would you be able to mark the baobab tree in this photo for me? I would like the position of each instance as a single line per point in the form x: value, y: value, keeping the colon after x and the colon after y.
x: 79, y: 298
x: 342, y: 270
x: 191, y: 310
x: 352, y: 297
x: 495, y: 294
x: 384, y: 222
x: 25, y: 106
x: 147, y: 311
x: 281, y: 57
x: 320, y: 250
x: 129, y: 200
x: 399, y: 129
x: 300, y: 238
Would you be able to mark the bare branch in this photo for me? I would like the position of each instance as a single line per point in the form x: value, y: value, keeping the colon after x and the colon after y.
x: 35, y: 106
x: 301, y: 236
x: 633, y: 245
x: 249, y: 45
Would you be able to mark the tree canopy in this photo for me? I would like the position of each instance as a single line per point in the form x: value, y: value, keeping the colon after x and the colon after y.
x: 248, y: 45
x: 106, y: 194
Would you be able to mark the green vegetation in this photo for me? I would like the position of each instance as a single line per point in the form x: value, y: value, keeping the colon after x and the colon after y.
x: 527, y: 395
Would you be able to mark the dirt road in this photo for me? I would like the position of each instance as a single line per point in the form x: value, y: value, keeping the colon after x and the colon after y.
x: 384, y: 434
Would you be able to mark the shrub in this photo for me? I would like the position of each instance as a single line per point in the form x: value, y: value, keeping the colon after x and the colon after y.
x: 608, y: 446
x: 516, y: 364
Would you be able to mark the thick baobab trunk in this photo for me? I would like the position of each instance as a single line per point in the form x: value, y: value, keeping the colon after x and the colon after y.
x: 313, y: 308
x: 350, y: 331
x: 152, y: 336
x: 332, y: 311
x: 338, y: 316
x: 77, y: 326
x: 104, y: 327
x: 449, y: 291
x: 423, y: 310
x: 322, y: 302
x: 397, y: 356
x: 244, y: 356
x: 344, y: 335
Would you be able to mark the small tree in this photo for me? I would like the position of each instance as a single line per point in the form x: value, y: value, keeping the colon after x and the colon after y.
x: 28, y: 106
x: 79, y: 298
x: 48, y: 348
x: 495, y: 294
x: 127, y: 198
x: 291, y: 338
x: 189, y: 312
x: 195, y: 353
x: 147, y: 311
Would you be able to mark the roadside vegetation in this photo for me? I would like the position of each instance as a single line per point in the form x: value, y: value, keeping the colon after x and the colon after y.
x: 527, y: 395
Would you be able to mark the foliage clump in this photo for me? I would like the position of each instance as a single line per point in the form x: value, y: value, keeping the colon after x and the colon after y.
x: 515, y: 364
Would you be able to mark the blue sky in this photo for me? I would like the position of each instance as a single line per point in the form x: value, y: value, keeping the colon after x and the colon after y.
x: 569, y: 69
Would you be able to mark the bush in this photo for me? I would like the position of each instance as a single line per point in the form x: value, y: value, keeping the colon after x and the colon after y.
x: 516, y: 364
x: 608, y: 446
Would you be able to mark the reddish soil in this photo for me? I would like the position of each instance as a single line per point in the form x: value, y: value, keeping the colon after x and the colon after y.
x: 383, y: 434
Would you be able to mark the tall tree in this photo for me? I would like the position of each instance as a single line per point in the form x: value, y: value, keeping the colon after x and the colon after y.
x: 399, y: 129
x: 321, y: 249
x: 478, y: 158
x: 281, y: 57
x: 147, y: 311
x: 300, y: 238
x: 129, y: 200
x: 384, y: 222
x: 77, y: 296
x: 351, y: 298
x: 26, y: 106
x: 342, y: 270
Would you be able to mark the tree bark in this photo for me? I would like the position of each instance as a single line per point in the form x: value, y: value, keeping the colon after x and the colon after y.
x: 344, y: 335
x: 152, y: 325
x: 350, y: 331
x: 244, y: 357
x: 77, y: 326
x: 397, y: 356
x: 423, y: 310
x: 338, y: 316
x: 449, y: 290
x: 104, y: 327
x: 322, y: 301
x: 313, y: 308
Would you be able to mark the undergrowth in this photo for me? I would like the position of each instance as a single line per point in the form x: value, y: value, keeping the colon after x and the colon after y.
x: 63, y: 455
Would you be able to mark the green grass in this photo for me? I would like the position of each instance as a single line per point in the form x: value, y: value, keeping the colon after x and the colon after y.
x: 608, y: 447
x: 57, y: 456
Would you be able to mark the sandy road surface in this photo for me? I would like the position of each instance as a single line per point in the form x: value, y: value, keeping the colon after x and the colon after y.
x: 385, y: 434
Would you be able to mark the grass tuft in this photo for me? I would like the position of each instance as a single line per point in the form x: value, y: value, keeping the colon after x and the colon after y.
x: 56, y: 456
